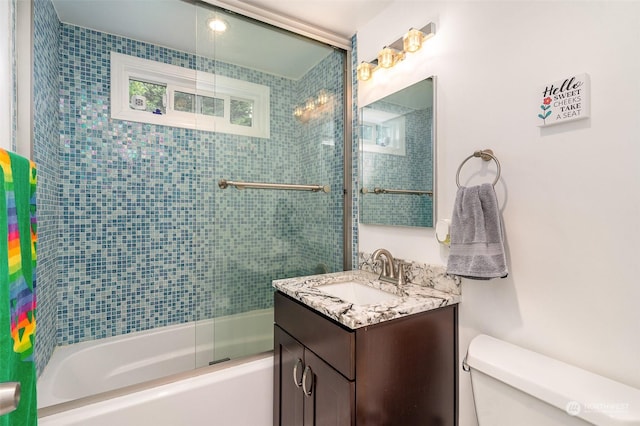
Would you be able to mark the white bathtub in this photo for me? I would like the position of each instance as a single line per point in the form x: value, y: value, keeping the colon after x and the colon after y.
x: 93, y: 367
x: 239, y: 395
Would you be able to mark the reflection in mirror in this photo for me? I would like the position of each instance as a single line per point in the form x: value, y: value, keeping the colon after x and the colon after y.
x: 397, y: 156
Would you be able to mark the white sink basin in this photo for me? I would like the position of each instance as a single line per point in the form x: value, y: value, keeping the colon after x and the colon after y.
x: 357, y: 293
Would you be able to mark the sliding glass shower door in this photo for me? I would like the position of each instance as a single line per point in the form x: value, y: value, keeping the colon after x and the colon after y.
x: 269, y: 174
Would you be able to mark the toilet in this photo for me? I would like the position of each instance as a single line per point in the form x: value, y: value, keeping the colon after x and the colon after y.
x: 515, y: 386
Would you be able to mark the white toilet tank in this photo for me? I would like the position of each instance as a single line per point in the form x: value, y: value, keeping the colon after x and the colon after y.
x: 516, y: 386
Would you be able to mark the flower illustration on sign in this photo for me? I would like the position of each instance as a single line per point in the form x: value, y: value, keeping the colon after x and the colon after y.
x: 546, y: 109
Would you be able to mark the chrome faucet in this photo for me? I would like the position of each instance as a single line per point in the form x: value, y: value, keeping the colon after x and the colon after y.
x: 389, y: 272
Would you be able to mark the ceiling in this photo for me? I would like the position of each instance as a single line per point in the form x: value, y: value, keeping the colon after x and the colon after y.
x: 181, y: 25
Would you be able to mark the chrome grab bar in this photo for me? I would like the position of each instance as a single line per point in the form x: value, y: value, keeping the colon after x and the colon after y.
x: 224, y: 184
x: 378, y: 191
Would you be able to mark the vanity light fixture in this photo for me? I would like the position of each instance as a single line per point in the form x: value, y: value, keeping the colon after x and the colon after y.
x: 312, y: 106
x: 395, y: 52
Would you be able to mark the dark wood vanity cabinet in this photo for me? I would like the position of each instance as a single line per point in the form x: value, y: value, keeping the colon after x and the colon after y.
x: 400, y: 372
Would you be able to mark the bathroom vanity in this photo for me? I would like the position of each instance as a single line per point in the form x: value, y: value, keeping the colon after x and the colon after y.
x: 390, y: 362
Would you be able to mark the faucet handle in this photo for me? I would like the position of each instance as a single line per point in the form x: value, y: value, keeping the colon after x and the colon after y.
x: 400, y: 275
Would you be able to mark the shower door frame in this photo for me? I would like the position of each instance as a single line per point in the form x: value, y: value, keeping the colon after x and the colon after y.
x: 342, y: 46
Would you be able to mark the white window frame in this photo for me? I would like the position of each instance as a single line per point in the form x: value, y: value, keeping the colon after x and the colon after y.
x: 125, y: 67
x: 395, y: 122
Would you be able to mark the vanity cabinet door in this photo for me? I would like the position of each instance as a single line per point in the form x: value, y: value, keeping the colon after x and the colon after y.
x: 287, y: 381
x: 307, y: 390
x: 329, y: 398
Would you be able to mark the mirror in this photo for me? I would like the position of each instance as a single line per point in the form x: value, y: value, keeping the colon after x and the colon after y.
x: 397, y: 158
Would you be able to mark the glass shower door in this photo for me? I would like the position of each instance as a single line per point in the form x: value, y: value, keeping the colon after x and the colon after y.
x: 277, y: 117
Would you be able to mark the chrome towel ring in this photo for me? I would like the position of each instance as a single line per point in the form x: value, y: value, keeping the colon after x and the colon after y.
x: 486, y: 155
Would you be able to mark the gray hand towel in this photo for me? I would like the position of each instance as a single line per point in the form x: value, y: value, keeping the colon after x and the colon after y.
x: 477, y: 245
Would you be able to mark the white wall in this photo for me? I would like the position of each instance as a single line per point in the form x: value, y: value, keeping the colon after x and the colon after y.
x: 24, y: 71
x: 5, y: 76
x: 570, y: 193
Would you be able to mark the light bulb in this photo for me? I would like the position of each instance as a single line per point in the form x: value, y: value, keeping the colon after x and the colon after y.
x: 323, y: 98
x: 310, y: 105
x: 217, y: 25
x: 387, y: 57
x: 364, y: 71
x: 412, y: 40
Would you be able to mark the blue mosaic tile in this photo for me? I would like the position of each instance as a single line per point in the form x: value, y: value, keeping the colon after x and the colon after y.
x: 150, y: 240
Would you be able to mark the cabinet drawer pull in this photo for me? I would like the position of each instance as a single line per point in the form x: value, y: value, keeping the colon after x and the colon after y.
x: 296, y: 367
x: 305, y: 377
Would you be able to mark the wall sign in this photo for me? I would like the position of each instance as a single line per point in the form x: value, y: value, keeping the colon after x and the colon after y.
x: 564, y: 100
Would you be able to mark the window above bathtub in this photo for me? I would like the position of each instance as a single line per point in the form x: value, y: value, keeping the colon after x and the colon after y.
x: 152, y: 92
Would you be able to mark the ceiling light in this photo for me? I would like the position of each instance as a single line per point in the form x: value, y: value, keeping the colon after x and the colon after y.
x: 217, y: 25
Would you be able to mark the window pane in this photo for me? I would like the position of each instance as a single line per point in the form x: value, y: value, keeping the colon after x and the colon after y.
x: 241, y: 112
x: 184, y: 102
x: 147, y: 96
x: 383, y: 135
x: 367, y: 132
x: 211, y: 106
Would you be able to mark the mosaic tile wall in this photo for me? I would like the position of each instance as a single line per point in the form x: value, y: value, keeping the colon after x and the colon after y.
x: 321, y: 159
x: 149, y: 239
x: 46, y: 154
x: 411, y: 171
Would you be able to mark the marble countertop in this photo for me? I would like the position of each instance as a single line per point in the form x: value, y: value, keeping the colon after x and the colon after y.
x: 415, y: 298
